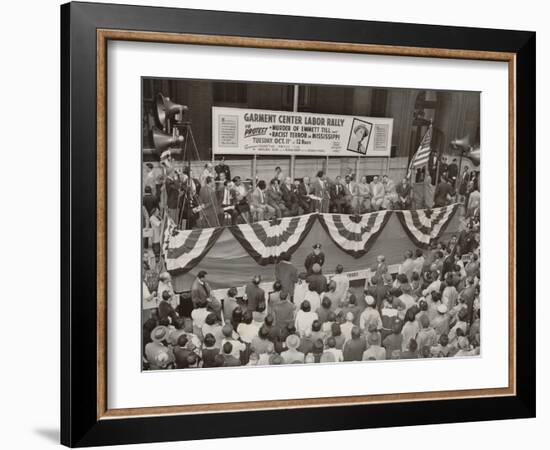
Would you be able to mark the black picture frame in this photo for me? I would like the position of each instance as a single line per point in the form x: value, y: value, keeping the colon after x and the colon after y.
x: 80, y: 425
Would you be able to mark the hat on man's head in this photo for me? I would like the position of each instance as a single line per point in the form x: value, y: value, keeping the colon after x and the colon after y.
x: 292, y: 342
x: 369, y: 299
x: 159, y: 333
x: 317, y: 246
x: 442, y: 309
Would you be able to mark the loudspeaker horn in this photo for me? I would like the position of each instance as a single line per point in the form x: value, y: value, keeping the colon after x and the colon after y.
x: 164, y: 141
x: 166, y: 108
x: 462, y: 143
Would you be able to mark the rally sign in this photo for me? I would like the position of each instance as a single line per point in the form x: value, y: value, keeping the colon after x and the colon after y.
x: 238, y: 131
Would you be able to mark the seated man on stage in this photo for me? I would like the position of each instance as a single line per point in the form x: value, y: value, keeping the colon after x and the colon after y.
x: 338, y: 200
x: 241, y: 194
x: 258, y: 204
x: 302, y: 191
x: 227, y: 201
x: 289, y: 198
x: 390, y: 196
x: 350, y: 192
x: 275, y: 199
x: 378, y: 193
x: 404, y: 195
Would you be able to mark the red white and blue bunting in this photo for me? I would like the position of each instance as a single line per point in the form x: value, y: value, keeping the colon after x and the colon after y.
x: 425, y: 225
x: 186, y: 248
x: 266, y: 241
x: 354, y: 234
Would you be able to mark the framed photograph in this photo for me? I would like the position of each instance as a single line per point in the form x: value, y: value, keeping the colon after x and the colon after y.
x: 276, y: 224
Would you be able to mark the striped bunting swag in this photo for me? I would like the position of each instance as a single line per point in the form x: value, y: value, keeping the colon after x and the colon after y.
x: 266, y: 241
x: 186, y: 248
x: 354, y: 234
x: 425, y: 225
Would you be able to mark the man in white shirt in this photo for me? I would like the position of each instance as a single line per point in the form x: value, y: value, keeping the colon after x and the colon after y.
x: 342, y: 285
x: 301, y: 288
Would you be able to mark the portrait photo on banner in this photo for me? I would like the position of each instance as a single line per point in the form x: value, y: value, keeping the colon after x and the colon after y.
x: 288, y: 223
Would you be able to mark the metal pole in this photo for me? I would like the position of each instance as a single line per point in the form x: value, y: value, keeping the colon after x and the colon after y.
x: 294, y: 109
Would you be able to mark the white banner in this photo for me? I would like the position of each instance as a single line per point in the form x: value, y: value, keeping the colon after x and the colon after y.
x: 237, y: 131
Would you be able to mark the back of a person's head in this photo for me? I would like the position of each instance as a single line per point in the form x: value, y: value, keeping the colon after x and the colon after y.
x: 436, y: 296
x: 209, y: 340
x: 210, y: 319
x: 227, y: 330
x: 277, y: 286
x: 166, y: 295
x: 263, y: 332
x: 232, y: 292
x: 373, y: 338
x: 331, y: 342
x: 331, y: 316
x: 182, y: 340
x: 335, y: 329
x: 326, y: 303
x: 290, y: 328
x: 306, y: 306
x: 316, y: 325
x: 283, y: 295
x: 444, y: 340
x: 355, y: 332
x: 396, y: 327
x: 227, y: 348
x: 247, y: 317
x: 413, y: 345
x: 418, y: 253
x: 339, y: 268
x: 396, y: 292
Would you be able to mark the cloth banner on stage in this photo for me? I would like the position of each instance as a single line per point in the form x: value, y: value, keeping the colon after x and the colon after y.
x: 354, y: 234
x: 266, y: 241
x: 424, y: 225
x: 186, y: 248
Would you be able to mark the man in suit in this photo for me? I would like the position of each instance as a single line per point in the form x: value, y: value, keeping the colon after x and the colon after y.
x: 200, y: 289
x: 255, y: 295
x: 227, y: 201
x: 287, y: 274
x: 258, y: 203
x: 275, y: 198
x: 404, y: 194
x: 338, y: 196
x: 302, y: 191
x: 320, y: 190
x: 349, y: 185
x: 209, y: 203
x: 378, y: 193
x: 289, y: 198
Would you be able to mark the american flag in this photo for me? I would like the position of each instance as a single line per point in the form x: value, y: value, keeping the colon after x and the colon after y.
x: 422, y: 155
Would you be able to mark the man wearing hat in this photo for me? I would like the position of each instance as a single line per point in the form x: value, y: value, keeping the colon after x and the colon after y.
x: 440, y: 323
x: 375, y: 350
x: 316, y: 257
x: 287, y: 274
x: 254, y: 293
x: 200, y: 289
x: 370, y: 315
x: 356, y: 346
x: 158, y: 355
x: 292, y: 355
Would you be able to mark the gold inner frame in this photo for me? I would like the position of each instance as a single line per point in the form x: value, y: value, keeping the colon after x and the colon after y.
x: 103, y: 36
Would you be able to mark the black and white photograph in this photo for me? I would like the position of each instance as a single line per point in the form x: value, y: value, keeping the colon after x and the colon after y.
x: 304, y: 224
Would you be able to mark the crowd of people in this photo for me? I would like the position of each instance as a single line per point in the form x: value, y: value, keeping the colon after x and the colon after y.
x: 215, y: 199
x: 429, y: 308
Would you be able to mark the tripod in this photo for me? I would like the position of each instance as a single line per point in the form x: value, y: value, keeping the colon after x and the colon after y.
x: 190, y: 197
